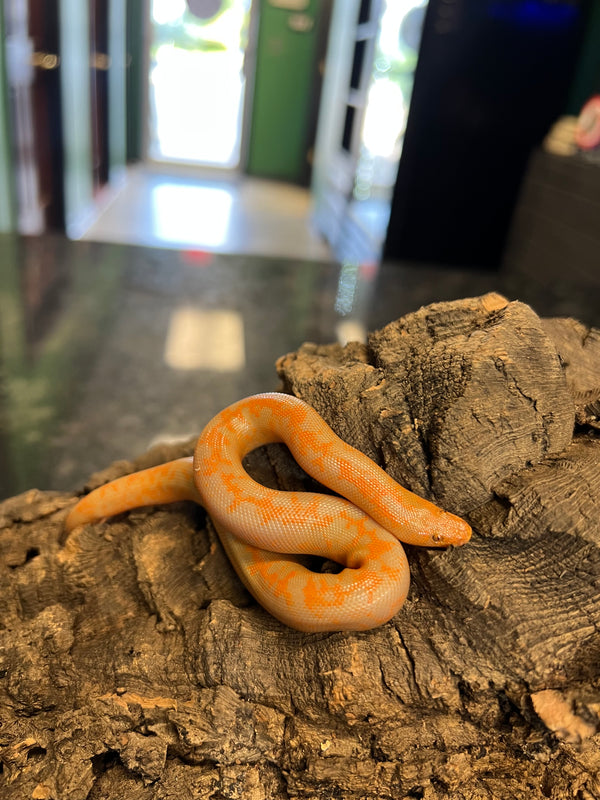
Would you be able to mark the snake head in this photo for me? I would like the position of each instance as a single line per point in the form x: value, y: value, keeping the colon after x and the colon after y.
x: 453, y: 530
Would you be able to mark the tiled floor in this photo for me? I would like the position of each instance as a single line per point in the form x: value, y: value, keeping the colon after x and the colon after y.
x: 167, y: 207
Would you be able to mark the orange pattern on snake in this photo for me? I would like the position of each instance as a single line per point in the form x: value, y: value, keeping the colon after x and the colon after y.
x: 265, y: 532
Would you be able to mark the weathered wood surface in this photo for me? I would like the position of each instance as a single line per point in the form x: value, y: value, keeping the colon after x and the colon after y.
x: 133, y: 664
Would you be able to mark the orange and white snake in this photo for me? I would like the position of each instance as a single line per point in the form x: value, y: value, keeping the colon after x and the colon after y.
x: 265, y: 532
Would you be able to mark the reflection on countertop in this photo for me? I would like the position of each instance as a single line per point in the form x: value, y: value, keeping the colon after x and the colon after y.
x: 107, y: 349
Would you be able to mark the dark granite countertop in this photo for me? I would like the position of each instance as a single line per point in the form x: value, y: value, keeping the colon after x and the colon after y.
x: 107, y: 349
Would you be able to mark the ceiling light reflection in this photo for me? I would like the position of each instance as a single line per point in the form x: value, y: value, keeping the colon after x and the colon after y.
x: 200, y: 339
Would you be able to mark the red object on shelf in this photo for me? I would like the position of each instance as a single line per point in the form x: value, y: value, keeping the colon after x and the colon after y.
x: 587, y: 133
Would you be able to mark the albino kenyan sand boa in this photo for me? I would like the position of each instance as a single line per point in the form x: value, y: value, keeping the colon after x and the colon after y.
x: 265, y: 531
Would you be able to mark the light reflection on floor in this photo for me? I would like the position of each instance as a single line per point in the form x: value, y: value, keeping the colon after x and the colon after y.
x: 166, y: 207
x: 179, y: 211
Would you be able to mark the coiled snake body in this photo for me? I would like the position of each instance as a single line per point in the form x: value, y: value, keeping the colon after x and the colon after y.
x: 265, y: 532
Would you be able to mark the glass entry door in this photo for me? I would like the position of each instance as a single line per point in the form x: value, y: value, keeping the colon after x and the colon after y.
x: 197, y: 80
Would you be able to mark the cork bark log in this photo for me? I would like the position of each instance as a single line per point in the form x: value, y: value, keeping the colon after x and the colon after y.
x: 133, y: 663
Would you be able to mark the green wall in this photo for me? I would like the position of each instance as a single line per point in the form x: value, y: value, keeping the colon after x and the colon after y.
x: 137, y: 68
x: 77, y: 134
x: 283, y: 92
x: 117, y: 45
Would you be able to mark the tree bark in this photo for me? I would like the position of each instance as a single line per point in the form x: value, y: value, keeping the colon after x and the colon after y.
x: 134, y: 664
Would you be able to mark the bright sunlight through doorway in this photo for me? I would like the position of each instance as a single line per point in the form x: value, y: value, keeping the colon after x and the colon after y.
x: 197, y: 81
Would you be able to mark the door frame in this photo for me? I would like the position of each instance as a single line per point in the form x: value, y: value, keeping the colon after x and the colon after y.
x: 8, y: 217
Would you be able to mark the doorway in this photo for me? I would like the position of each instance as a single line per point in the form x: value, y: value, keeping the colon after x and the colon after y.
x: 197, y: 82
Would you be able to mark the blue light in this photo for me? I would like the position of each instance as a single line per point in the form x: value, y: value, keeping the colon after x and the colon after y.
x: 535, y: 13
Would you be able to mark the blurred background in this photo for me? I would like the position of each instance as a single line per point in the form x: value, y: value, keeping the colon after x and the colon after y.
x: 191, y: 188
